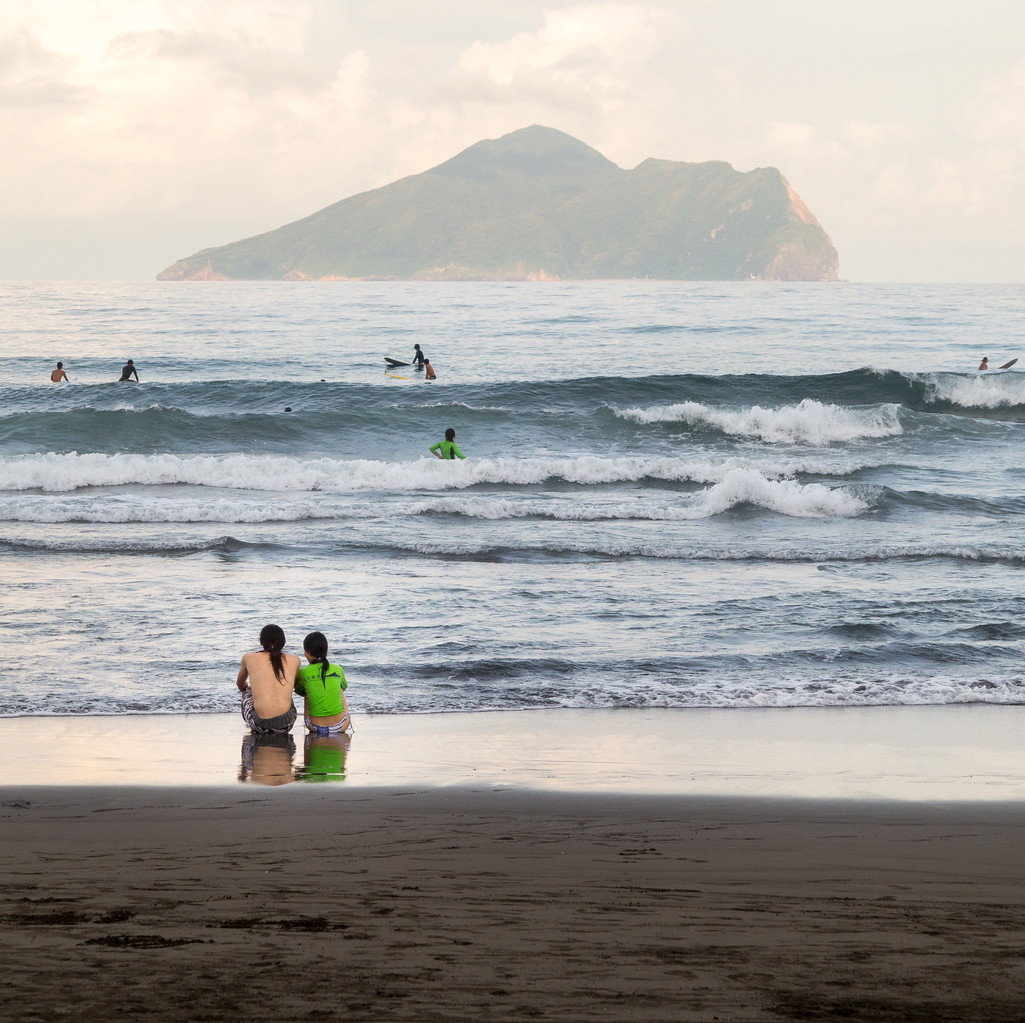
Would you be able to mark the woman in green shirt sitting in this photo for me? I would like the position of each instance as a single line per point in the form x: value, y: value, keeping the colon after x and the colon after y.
x: 323, y: 686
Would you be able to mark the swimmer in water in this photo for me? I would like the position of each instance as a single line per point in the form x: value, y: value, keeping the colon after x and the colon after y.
x: 447, y: 448
x: 58, y: 374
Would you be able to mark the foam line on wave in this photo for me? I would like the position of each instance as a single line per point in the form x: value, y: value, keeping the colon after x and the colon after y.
x: 738, y: 488
x: 56, y: 472
x: 808, y: 423
x: 228, y: 545
x: 509, y: 685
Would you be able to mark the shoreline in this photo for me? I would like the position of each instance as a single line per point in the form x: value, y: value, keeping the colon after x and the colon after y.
x: 933, y: 754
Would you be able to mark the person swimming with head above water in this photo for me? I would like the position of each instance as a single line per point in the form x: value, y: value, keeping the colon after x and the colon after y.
x: 266, y: 679
x: 322, y: 685
x: 985, y: 363
x: 447, y: 448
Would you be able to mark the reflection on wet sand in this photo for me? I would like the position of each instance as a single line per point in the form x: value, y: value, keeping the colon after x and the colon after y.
x: 324, y: 758
x: 267, y: 759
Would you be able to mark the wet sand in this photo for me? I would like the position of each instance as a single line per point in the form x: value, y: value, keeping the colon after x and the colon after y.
x: 321, y: 902
x: 577, y: 866
x: 914, y: 753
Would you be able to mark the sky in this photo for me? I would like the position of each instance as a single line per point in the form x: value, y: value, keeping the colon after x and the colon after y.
x: 135, y: 133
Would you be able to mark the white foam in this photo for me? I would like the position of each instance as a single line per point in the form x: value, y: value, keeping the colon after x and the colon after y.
x: 60, y: 473
x: 738, y: 486
x: 983, y: 390
x: 810, y: 422
x: 786, y: 497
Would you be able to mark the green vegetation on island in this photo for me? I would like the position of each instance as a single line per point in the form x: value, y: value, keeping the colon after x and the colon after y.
x: 538, y: 204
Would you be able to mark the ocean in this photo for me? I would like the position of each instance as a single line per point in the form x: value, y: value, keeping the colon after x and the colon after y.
x: 675, y: 494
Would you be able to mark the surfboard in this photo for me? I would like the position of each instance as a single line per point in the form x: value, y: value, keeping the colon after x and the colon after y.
x: 1007, y: 365
x: 395, y: 376
x: 395, y: 362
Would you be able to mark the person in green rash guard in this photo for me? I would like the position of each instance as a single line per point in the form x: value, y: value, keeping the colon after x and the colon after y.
x: 447, y: 448
x: 323, y: 686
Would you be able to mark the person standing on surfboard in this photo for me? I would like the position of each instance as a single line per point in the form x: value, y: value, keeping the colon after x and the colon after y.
x: 418, y: 357
x: 447, y: 448
x: 985, y: 362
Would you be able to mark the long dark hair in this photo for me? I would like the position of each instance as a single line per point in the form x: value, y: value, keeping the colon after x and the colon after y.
x: 272, y: 639
x: 315, y: 644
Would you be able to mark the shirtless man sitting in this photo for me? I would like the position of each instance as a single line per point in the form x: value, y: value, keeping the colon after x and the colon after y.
x: 266, y: 679
x: 58, y: 374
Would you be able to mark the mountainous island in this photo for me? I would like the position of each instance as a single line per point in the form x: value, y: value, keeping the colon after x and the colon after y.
x: 538, y: 204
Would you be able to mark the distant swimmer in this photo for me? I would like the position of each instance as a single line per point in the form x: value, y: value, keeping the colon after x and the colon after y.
x: 447, y: 448
x: 985, y: 363
x: 429, y: 373
x: 58, y: 374
x: 418, y: 357
x: 128, y: 371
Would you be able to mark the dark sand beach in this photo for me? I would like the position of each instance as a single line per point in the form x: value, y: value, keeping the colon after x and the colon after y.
x: 453, y: 904
x: 448, y: 899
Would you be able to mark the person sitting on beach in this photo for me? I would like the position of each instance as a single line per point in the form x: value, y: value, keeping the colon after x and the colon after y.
x: 418, y: 357
x: 128, y: 371
x: 985, y: 362
x: 58, y: 374
x: 447, y: 448
x: 429, y: 373
x: 266, y: 679
x: 322, y: 686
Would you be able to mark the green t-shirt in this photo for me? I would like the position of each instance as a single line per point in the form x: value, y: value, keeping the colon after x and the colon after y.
x: 449, y: 449
x: 323, y: 697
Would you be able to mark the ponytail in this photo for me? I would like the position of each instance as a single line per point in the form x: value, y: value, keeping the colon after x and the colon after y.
x: 272, y: 639
x: 315, y: 644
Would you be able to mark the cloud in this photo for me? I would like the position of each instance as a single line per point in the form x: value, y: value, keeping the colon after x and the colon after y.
x: 32, y: 75
x: 583, y: 58
x: 181, y: 105
x: 242, y: 61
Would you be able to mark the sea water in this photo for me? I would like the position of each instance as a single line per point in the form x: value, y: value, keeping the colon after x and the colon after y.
x: 674, y: 495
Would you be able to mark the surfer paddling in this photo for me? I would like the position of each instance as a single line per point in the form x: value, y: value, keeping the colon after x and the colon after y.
x: 447, y: 448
